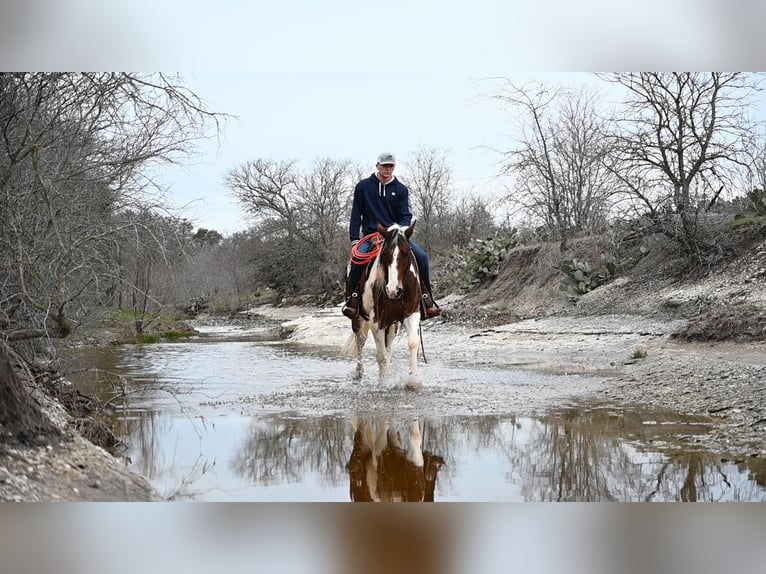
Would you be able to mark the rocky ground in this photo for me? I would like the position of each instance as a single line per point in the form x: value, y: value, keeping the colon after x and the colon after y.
x: 636, y: 358
x: 695, y: 346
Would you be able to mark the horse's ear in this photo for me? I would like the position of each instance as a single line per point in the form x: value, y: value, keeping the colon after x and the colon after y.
x: 410, y: 229
x: 382, y: 230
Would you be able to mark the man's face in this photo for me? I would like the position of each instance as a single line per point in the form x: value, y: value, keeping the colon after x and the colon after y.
x: 386, y: 170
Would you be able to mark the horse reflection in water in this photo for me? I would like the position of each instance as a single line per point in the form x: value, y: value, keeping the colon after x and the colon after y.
x: 382, y: 470
x: 390, y: 298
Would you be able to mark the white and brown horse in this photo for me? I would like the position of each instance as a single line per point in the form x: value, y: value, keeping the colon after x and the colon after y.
x: 390, y: 299
x: 382, y: 469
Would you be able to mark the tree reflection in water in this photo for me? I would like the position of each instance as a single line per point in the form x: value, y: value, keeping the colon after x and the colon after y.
x: 282, y: 449
x: 605, y: 455
x: 575, y: 454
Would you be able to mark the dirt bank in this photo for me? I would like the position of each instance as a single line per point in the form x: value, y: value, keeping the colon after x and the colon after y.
x: 66, y: 469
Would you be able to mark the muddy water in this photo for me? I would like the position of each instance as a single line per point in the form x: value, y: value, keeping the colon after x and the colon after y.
x: 254, y: 420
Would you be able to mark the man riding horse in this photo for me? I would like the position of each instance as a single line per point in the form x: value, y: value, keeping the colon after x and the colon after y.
x: 381, y: 198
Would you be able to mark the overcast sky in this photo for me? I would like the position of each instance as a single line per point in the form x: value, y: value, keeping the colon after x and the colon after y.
x: 348, y: 79
x: 354, y: 116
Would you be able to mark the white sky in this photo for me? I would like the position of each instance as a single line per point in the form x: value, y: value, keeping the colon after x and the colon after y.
x: 353, y: 116
x: 348, y: 79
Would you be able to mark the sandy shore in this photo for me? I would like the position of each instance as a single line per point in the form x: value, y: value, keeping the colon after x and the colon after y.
x: 632, y: 359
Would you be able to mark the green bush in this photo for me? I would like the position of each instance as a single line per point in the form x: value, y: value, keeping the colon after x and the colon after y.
x: 144, y: 339
x: 174, y: 336
x: 639, y: 354
x: 479, y: 262
x: 580, y: 278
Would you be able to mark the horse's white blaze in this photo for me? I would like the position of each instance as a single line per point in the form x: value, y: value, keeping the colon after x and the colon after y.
x: 394, y: 281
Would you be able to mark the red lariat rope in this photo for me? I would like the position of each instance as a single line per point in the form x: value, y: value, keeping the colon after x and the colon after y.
x: 358, y: 258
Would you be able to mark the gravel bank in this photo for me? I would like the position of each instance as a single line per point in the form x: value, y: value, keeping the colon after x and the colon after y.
x: 634, y: 356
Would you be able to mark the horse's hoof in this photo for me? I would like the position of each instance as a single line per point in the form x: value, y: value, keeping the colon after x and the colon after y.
x: 413, y: 384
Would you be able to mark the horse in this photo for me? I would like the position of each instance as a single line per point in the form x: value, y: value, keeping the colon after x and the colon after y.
x: 381, y: 470
x: 390, y: 298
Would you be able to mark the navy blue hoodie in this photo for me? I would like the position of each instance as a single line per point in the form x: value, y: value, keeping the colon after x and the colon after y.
x: 377, y: 202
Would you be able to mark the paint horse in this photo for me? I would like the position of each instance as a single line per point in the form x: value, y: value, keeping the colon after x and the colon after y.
x: 390, y: 298
x: 380, y: 469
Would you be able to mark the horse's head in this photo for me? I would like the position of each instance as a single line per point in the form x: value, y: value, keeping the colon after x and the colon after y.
x: 396, y: 258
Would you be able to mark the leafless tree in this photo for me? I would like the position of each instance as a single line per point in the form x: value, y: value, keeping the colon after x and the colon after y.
x: 429, y: 180
x: 680, y: 136
x: 76, y: 152
x: 149, y: 252
x: 324, y: 202
x: 302, y: 219
x: 468, y: 218
x: 268, y: 191
x: 75, y: 157
x: 755, y: 152
x: 220, y: 274
x: 558, y: 166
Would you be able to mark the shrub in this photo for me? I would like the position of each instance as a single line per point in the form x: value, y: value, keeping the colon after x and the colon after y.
x: 639, y: 354
x: 479, y: 262
x: 580, y: 278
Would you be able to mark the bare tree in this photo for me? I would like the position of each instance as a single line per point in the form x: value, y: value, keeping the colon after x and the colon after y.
x: 429, y: 180
x: 679, y: 138
x: 268, y: 191
x: 755, y: 151
x: 469, y: 218
x: 324, y: 202
x: 302, y: 218
x: 75, y: 153
x: 558, y: 166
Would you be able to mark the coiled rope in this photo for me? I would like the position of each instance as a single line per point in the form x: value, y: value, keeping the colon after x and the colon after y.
x: 360, y: 258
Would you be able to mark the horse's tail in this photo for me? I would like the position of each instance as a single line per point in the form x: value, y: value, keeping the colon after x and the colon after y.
x: 350, y: 349
x: 355, y: 342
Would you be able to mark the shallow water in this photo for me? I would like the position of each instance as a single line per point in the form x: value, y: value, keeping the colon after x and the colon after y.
x: 253, y: 420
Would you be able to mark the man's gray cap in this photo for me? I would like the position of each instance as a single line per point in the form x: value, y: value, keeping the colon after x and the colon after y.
x: 386, y: 157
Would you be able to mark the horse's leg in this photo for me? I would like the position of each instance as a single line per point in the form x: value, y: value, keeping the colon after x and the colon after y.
x: 411, y: 325
x: 415, y: 449
x: 390, y: 335
x: 381, y: 352
x: 377, y: 443
x: 361, y: 339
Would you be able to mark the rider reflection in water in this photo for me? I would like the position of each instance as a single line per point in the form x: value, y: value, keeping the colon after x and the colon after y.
x: 382, y: 198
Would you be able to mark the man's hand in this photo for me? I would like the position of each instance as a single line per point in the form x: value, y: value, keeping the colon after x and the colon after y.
x: 354, y: 242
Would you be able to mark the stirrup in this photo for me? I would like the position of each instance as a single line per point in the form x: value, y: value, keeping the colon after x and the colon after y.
x: 351, y: 306
x: 428, y: 307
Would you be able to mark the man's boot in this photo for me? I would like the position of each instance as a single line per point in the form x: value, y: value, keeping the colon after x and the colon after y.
x: 429, y: 309
x: 351, y: 306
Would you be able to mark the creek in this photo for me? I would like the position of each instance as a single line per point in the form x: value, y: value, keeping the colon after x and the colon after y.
x: 252, y: 418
